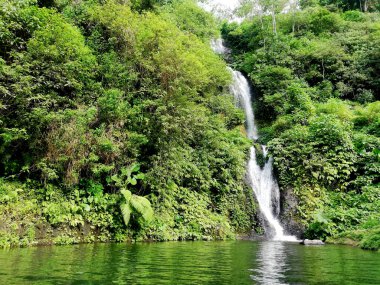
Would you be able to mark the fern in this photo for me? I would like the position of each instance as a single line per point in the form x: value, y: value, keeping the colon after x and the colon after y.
x: 126, y: 211
x: 142, y: 206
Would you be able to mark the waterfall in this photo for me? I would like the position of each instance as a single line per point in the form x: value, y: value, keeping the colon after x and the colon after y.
x: 218, y: 46
x: 261, y: 180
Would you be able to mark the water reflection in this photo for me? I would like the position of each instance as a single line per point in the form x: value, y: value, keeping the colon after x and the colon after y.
x: 190, y: 263
x: 272, y: 263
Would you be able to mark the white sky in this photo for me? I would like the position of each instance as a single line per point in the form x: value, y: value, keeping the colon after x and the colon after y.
x: 228, y: 3
x: 221, y: 8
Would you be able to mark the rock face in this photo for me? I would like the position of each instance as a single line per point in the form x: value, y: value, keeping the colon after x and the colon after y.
x: 312, y: 242
x: 288, y: 213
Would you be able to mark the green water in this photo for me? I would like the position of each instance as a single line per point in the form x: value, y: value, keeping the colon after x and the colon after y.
x: 240, y: 262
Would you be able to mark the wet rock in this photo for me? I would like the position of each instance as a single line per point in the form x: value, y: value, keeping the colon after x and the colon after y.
x: 288, y: 214
x: 312, y: 242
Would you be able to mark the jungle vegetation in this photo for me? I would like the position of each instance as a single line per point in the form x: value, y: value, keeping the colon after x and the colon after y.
x: 116, y: 122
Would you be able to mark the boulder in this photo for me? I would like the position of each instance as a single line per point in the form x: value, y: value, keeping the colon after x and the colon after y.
x: 312, y: 242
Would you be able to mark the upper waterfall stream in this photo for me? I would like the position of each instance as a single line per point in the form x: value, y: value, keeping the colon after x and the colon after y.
x: 260, y: 179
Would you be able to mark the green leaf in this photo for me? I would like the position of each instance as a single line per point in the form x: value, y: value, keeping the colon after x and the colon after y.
x: 126, y: 211
x: 126, y: 194
x: 132, y: 181
x: 140, y: 176
x: 142, y: 206
x: 135, y: 167
x: 86, y: 207
x: 116, y: 179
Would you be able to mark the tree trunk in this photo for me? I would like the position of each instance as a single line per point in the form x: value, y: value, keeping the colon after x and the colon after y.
x: 294, y: 22
x: 323, y: 68
x: 261, y: 21
x: 262, y: 26
x: 274, y: 23
x: 365, y: 5
x: 295, y: 6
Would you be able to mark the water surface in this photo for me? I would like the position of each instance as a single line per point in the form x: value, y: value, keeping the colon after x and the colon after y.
x: 236, y: 262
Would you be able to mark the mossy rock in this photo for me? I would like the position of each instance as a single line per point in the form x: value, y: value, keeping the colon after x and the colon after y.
x: 260, y: 157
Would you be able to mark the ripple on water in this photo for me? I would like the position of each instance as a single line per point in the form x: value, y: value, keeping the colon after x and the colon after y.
x: 240, y: 262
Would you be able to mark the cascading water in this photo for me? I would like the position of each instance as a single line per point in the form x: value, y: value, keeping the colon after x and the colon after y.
x: 260, y: 179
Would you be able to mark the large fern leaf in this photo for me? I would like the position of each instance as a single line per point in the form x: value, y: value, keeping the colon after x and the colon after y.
x: 126, y: 194
x: 126, y: 211
x: 142, y: 206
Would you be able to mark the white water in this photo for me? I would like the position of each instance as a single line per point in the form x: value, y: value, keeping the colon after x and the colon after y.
x: 260, y: 179
x: 241, y: 91
x: 218, y: 46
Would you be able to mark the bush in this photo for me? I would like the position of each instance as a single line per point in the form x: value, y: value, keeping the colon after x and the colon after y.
x: 371, y: 240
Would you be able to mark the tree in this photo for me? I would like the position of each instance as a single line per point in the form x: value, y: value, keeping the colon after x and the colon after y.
x: 293, y: 6
x: 273, y: 7
x: 252, y: 8
x: 363, y: 5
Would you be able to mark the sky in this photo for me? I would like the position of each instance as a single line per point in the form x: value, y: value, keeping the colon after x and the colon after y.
x: 228, y: 3
x: 231, y: 4
x: 221, y: 8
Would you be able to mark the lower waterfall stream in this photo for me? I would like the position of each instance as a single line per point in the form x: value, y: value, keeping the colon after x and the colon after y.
x: 261, y: 179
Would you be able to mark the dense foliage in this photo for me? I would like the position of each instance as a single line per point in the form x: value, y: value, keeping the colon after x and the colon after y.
x: 112, y: 109
x: 317, y: 81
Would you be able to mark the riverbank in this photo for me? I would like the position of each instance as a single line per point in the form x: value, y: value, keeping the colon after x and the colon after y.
x: 45, y: 216
x: 366, y: 239
x: 49, y: 216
